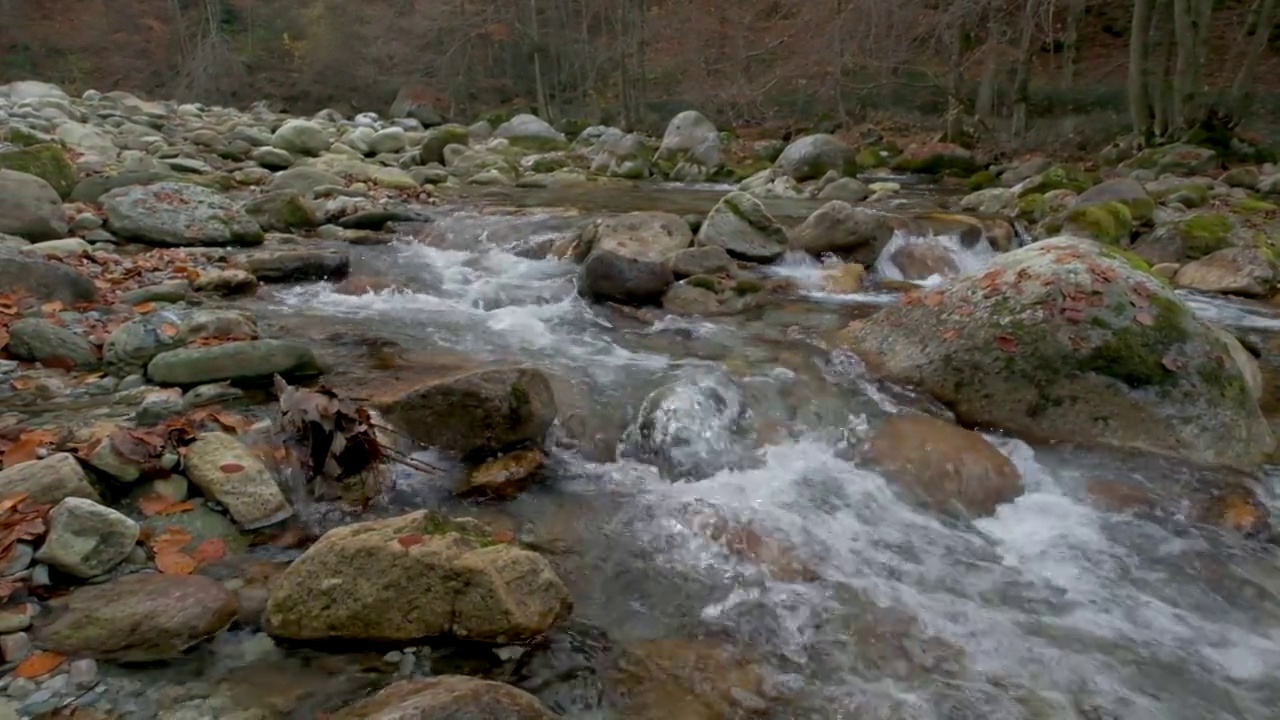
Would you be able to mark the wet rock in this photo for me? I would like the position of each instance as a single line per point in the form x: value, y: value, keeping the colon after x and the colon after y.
x: 305, y: 180
x: 283, y: 211
x: 173, y: 291
x: 87, y: 539
x: 1246, y: 271
x: 1087, y: 348
x: 922, y: 258
x: 251, y: 359
x: 948, y: 468
x: 108, y: 459
x: 178, y: 214
x: 837, y: 227
x: 812, y: 156
x: 625, y: 257
x: 297, y: 265
x: 48, y: 481
x: 845, y: 279
x: 30, y: 208
x: 991, y: 200
x: 848, y: 189
x: 44, y: 280
x: 66, y: 247
x: 131, y: 346
x: 412, y: 577
x: 740, y: 224
x: 531, y: 132
x: 1189, y: 238
x: 232, y: 281
x: 228, y: 472
x: 690, y: 147
x: 15, y: 647
x: 158, y: 405
x: 693, y: 680
x: 448, y: 697
x: 1126, y: 191
x: 18, y: 559
x: 710, y: 260
x: 937, y: 158
x: 92, y: 188
x: 691, y: 428
x: 16, y: 618
x: 438, y: 138
x: 477, y: 414
x: 713, y: 295
x: 137, y: 618
x: 504, y: 477
x: 38, y: 340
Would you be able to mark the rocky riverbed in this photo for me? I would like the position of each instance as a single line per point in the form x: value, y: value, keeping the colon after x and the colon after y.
x: 354, y: 418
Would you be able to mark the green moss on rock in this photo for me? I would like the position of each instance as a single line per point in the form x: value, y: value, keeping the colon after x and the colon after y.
x: 47, y: 161
x: 705, y: 282
x: 1134, y: 354
x: 1252, y: 205
x: 1033, y: 207
x: 1206, y: 233
x: 1108, y: 222
x: 983, y: 180
x: 869, y: 158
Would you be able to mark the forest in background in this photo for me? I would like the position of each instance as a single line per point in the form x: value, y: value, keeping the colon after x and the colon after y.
x: 1048, y: 74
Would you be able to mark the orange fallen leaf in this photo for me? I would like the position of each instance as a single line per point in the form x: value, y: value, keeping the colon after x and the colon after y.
x: 230, y: 467
x: 39, y: 664
x: 153, y: 504
x: 408, y: 541
x: 503, y: 536
x: 210, y: 550
x: 172, y: 540
x: 178, y: 507
x: 169, y: 330
x: 12, y: 502
x: 144, y: 308
x: 175, y: 563
x: 50, y: 308
x: 26, y: 448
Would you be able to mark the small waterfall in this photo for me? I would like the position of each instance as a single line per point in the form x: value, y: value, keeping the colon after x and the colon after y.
x: 928, y: 259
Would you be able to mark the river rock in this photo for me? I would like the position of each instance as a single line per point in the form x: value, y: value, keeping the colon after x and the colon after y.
x: 178, y: 214
x: 227, y: 282
x: 709, y: 260
x: 297, y: 265
x: 44, y: 280
x: 848, y: 189
x: 625, y: 257
x: 47, y: 161
x: 30, y: 208
x: 301, y: 137
x: 283, y: 211
x: 435, y: 140
x: 87, y: 539
x: 857, y: 234
x: 143, y: 617
x: 38, y: 340
x: 246, y: 360
x: 412, y: 577
x: 48, y: 481
x: 228, y: 472
x: 920, y: 258
x: 133, y: 344
x: 690, y: 147
x: 949, y: 469
x: 1126, y: 191
x: 448, y: 697
x: 303, y: 179
x: 1064, y: 340
x: 812, y: 156
x: 740, y: 224
x: 477, y: 414
x: 504, y: 477
x: 531, y: 133
x: 1246, y: 271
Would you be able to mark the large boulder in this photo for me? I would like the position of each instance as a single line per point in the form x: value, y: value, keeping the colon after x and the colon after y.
x: 178, y: 214
x: 690, y: 147
x: 531, y: 132
x: 413, y: 577
x: 246, y: 360
x: 626, y: 257
x: 477, y: 414
x: 741, y: 226
x: 1247, y: 271
x: 812, y: 156
x: 44, y: 280
x: 857, y: 234
x: 448, y: 697
x: 30, y: 208
x: 39, y: 340
x: 47, y: 161
x: 137, y: 618
x: 1126, y: 191
x: 301, y: 137
x: 1065, y: 340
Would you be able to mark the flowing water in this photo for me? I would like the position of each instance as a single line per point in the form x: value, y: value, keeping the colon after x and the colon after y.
x: 1050, y: 609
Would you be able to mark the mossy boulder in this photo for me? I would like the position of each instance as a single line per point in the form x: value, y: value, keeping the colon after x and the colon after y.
x: 869, y: 158
x: 812, y: 156
x: 1125, y: 191
x: 741, y: 225
x: 435, y: 140
x: 1189, y: 238
x: 1250, y: 206
x: 1110, y: 223
x: 47, y: 161
x: 1032, y: 208
x: 1245, y: 271
x: 937, y: 159
x: 1063, y: 341
x: 1178, y: 158
x: 1059, y: 177
x: 982, y: 180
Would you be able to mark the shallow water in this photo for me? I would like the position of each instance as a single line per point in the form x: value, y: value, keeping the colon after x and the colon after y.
x: 1049, y: 609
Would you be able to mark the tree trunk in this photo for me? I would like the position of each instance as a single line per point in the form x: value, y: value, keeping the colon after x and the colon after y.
x: 1071, y: 42
x: 1159, y: 73
x: 1241, y: 98
x: 1139, y: 89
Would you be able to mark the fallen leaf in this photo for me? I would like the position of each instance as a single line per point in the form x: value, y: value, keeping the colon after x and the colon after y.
x: 176, y: 508
x: 230, y: 467
x: 503, y: 536
x: 153, y: 504
x: 1144, y: 318
x: 408, y: 541
x: 172, y: 540
x: 38, y: 665
x: 168, y: 330
x: 26, y: 448
x: 1007, y: 344
x: 175, y: 563
x: 144, y: 308
x: 933, y: 299
x: 211, y: 550
x: 12, y: 502
x: 239, y: 423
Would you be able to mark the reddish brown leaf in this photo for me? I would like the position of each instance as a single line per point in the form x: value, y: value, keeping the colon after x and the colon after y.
x: 176, y: 508
x: 175, y: 563
x: 144, y: 308
x: 210, y: 550
x: 27, y: 447
x: 408, y: 541
x: 933, y: 299
x: 39, y: 665
x: 504, y: 536
x: 153, y: 504
x: 1007, y: 344
x: 168, y: 330
x: 171, y: 540
x: 1144, y: 318
x: 230, y: 467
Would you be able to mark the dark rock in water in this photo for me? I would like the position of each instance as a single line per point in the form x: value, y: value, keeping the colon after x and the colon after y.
x: 377, y: 219
x: 566, y: 669
x: 297, y: 265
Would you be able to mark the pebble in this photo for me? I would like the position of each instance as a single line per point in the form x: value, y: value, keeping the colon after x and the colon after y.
x: 392, y: 657
x: 83, y: 673
x: 20, y: 688
x: 15, y: 646
x: 56, y: 684
x: 131, y: 382
x: 16, y: 618
x: 18, y: 560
